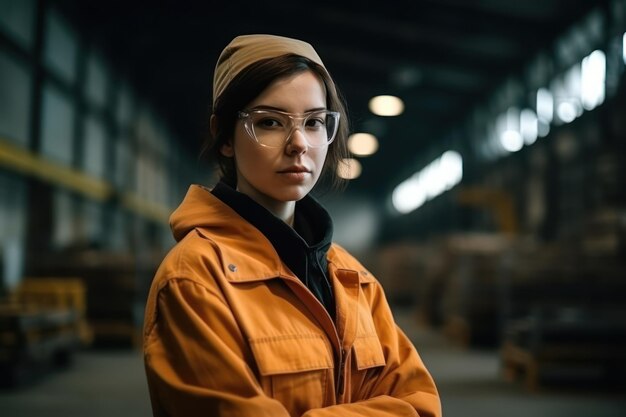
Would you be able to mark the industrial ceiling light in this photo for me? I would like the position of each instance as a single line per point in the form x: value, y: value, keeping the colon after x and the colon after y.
x: 440, y: 175
x: 362, y: 144
x: 511, y: 140
x: 386, y: 105
x: 593, y: 80
x: 529, y: 126
x: 566, y: 111
x: 545, y: 105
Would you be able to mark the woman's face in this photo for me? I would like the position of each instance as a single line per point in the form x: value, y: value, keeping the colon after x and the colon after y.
x: 276, y: 177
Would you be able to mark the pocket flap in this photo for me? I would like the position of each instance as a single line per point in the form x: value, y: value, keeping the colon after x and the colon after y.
x: 368, y: 352
x: 291, y: 353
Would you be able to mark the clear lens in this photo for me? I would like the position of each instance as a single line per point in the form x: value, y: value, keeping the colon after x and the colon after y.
x: 274, y: 128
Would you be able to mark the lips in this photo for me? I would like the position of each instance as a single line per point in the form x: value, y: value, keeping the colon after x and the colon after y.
x: 294, y: 170
x: 295, y: 174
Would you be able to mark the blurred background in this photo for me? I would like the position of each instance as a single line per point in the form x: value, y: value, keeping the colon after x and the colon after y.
x: 486, y: 187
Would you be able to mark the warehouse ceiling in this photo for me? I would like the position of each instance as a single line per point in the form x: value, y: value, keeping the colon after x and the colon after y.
x: 442, y: 57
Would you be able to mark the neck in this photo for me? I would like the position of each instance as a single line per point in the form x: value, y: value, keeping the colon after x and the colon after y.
x: 284, y: 210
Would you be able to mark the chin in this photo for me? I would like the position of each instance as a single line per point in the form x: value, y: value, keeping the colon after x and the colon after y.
x: 294, y: 193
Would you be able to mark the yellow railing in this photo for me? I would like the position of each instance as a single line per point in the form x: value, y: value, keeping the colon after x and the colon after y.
x: 27, y: 163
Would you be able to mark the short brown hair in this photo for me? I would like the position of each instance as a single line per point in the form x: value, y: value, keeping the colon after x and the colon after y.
x: 251, y: 82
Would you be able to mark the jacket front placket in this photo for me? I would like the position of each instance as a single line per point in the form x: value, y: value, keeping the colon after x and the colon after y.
x: 347, y: 288
x: 342, y: 332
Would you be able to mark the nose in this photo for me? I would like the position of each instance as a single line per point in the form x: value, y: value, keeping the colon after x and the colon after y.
x: 296, y: 143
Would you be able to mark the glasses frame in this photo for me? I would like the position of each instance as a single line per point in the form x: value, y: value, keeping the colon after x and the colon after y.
x: 244, y: 115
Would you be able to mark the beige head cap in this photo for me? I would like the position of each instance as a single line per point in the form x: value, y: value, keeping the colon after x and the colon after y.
x: 248, y: 49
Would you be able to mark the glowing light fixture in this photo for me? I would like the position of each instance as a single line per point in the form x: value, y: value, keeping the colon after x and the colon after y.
x: 593, y: 80
x: 362, y: 144
x: 349, y: 169
x: 511, y: 140
x: 529, y: 127
x: 451, y: 166
x: 543, y: 128
x: 386, y: 105
x: 624, y: 48
x: 440, y: 175
x: 545, y: 105
x: 408, y: 196
x: 566, y: 111
x: 508, y: 126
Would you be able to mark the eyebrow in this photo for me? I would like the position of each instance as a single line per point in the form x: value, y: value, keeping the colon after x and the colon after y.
x: 266, y: 107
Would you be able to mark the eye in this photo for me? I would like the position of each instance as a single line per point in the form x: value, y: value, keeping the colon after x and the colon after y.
x: 316, y: 121
x: 268, y: 123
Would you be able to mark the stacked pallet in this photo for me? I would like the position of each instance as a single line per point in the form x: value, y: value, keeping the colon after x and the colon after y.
x: 116, y: 286
x: 401, y: 269
x: 604, y: 233
x: 41, y: 325
x: 471, y: 287
x: 565, y: 315
x: 51, y: 293
x: 539, y: 276
x: 566, y: 346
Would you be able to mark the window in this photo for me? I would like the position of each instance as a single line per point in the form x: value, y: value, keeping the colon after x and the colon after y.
x: 15, y: 88
x: 94, y: 156
x: 17, y: 20
x: 96, y: 80
x: 60, y: 49
x: 57, y: 125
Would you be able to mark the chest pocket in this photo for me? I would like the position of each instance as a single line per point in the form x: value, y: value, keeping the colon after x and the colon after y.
x: 367, y: 352
x: 366, y: 347
x: 368, y: 361
x: 296, y: 370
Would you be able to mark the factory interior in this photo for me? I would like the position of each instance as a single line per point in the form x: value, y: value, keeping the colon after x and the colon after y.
x: 486, y: 187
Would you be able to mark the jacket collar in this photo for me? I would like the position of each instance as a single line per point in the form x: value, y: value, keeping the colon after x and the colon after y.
x: 302, y: 248
x: 312, y: 231
x: 252, y: 258
x: 203, y: 213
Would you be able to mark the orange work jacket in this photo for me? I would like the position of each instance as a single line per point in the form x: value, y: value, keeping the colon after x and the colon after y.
x: 230, y: 331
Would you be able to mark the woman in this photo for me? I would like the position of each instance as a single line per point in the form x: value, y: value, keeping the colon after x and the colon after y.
x: 255, y: 312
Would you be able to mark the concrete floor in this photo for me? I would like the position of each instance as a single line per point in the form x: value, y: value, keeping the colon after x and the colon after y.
x: 112, y: 384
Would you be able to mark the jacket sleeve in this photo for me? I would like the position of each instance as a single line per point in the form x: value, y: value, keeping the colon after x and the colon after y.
x: 403, y: 387
x: 195, y: 357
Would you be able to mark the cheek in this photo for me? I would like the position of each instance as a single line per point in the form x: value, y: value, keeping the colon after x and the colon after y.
x: 242, y: 150
x: 320, y: 158
x: 252, y: 158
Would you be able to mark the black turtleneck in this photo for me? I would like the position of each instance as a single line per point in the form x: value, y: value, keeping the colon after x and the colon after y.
x: 302, y: 248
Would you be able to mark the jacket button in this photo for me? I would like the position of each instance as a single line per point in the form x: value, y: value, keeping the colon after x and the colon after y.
x: 233, y: 268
